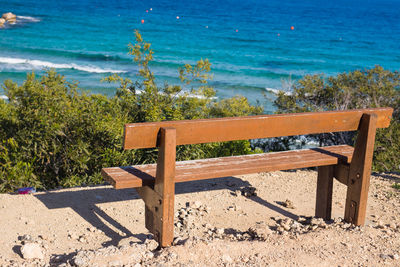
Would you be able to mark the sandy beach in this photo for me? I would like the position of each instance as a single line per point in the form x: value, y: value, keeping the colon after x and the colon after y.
x: 220, y: 222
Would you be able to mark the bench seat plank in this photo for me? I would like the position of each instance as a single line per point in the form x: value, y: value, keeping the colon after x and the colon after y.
x: 140, y: 175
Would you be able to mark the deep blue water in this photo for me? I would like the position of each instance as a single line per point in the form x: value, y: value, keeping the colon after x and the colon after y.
x: 250, y: 43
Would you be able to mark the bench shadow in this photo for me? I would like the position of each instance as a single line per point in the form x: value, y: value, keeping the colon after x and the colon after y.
x: 84, y: 203
x: 330, y: 153
x: 390, y: 176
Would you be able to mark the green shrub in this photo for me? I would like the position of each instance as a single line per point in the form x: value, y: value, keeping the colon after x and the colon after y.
x: 370, y: 88
x: 396, y: 186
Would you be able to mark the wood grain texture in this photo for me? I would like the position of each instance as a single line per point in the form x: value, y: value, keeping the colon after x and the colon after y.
x: 144, y: 135
x: 323, y: 204
x: 164, y: 185
x: 360, y: 171
x: 137, y: 176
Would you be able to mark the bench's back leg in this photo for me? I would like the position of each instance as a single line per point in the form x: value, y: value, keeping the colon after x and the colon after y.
x: 323, y: 205
x: 360, y: 171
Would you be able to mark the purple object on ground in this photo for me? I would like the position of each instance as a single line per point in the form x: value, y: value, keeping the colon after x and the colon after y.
x: 26, y: 190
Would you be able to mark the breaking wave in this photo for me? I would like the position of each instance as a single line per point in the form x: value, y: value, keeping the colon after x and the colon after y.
x: 27, y: 18
x: 29, y: 64
x: 277, y: 91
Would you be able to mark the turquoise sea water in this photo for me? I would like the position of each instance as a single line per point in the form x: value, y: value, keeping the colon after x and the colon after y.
x: 250, y: 44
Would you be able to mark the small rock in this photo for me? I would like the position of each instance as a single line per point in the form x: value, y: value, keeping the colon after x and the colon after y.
x: 10, y: 17
x: 26, y: 238
x: 32, y: 251
x: 226, y: 258
x: 249, y: 191
x: 288, y: 204
x: 151, y: 244
x: 220, y: 231
x: 149, y: 255
x: 396, y: 257
x: 380, y: 225
x: 286, y: 227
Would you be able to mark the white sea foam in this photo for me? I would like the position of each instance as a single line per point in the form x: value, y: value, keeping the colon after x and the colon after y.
x: 39, y: 64
x: 27, y: 18
x: 276, y: 91
x: 183, y: 93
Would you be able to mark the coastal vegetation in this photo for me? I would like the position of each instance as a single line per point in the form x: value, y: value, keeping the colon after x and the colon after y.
x: 358, y: 89
x: 53, y: 135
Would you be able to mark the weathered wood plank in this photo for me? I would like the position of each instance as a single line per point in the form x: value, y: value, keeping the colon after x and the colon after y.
x: 144, y: 135
x: 137, y: 176
x: 360, y: 171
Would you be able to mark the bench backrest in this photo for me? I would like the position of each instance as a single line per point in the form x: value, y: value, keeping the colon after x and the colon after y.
x: 144, y: 135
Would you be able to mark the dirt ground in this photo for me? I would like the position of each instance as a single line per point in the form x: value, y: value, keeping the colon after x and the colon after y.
x: 254, y: 220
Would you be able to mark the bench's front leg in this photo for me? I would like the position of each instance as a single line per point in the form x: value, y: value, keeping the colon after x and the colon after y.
x: 165, y: 186
x: 323, y: 204
x: 159, y: 199
x: 360, y: 171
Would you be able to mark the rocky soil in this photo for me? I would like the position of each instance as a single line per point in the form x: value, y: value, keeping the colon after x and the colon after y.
x: 254, y: 220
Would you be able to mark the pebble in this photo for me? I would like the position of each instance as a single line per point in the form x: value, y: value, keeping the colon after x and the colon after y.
x: 32, y: 251
x: 288, y: 204
x: 151, y: 244
x: 227, y: 258
x: 220, y: 231
x: 249, y: 191
x: 380, y: 225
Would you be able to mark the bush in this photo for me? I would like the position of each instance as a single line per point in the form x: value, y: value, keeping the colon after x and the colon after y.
x: 370, y: 88
x: 52, y: 135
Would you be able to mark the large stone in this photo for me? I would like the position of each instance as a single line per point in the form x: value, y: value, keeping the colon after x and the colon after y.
x: 9, y: 16
x: 32, y: 251
x: 2, y: 21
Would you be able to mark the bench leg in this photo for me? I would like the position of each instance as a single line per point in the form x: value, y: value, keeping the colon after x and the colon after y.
x: 159, y: 201
x: 360, y: 171
x: 323, y: 205
x: 165, y: 185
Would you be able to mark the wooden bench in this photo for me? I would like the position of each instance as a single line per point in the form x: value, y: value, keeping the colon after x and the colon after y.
x: 155, y: 183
